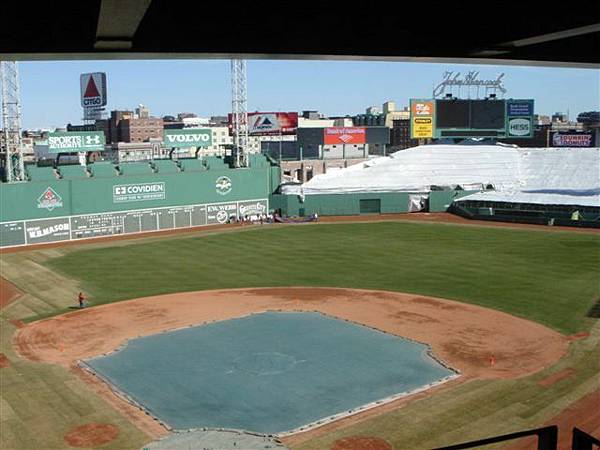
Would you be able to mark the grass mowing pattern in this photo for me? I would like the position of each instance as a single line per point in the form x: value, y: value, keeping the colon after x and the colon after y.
x: 551, y: 278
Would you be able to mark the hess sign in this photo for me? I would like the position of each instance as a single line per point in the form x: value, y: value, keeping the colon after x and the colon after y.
x: 93, y: 89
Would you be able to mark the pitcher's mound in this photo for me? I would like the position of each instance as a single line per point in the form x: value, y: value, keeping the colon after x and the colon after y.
x: 361, y: 443
x: 91, y: 435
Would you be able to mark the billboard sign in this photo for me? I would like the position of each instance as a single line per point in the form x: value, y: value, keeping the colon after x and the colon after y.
x: 519, y: 127
x: 471, y: 81
x: 344, y: 135
x: 519, y: 118
x: 123, y: 193
x: 519, y: 108
x: 76, y: 141
x: 421, y: 119
x: 195, y: 137
x: 270, y: 123
x: 93, y: 89
x: 572, y: 140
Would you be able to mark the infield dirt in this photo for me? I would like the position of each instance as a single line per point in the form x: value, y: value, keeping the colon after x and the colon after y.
x: 479, y: 342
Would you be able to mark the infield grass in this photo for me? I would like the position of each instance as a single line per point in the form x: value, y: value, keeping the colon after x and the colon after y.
x: 551, y: 278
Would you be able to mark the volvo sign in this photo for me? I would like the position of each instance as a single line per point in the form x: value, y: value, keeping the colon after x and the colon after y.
x: 197, y: 137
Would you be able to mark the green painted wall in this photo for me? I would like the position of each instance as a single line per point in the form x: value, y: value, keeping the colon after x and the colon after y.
x: 338, y: 204
x: 349, y: 204
x: 439, y: 201
x: 19, y: 201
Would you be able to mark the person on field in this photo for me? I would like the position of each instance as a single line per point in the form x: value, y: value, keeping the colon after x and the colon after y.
x: 81, y: 299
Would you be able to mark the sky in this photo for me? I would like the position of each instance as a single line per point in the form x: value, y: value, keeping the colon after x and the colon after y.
x: 50, y: 93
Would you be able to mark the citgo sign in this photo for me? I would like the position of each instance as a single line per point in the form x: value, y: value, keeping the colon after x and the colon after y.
x: 201, y: 137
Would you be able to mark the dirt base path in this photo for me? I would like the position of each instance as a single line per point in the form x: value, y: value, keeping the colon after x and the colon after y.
x: 8, y: 292
x: 479, y: 342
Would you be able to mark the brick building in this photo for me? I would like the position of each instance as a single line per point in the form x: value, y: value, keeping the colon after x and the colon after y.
x: 400, y: 135
x: 123, y: 126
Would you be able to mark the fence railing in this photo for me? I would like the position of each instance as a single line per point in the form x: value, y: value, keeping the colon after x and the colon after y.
x: 547, y: 440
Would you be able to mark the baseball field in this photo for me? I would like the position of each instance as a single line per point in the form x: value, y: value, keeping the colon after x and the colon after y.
x: 514, y: 310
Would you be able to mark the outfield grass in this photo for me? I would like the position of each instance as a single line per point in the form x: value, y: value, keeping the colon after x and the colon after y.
x: 551, y: 278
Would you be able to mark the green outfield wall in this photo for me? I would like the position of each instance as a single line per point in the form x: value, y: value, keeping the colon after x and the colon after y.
x: 55, y: 210
x: 361, y: 203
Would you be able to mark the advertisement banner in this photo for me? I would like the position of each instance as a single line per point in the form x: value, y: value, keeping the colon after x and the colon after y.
x: 47, y: 230
x: 270, y: 123
x: 421, y: 119
x: 421, y: 108
x: 221, y: 213
x: 520, y: 127
x: 422, y: 127
x: 572, y: 140
x: 200, y: 137
x: 93, y: 89
x: 76, y: 141
x: 344, y: 135
x: 519, y: 108
x: 139, y: 192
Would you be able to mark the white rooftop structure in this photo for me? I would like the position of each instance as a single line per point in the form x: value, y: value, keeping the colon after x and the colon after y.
x: 566, y: 176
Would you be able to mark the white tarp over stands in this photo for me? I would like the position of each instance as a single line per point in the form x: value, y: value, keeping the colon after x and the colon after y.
x: 565, y: 176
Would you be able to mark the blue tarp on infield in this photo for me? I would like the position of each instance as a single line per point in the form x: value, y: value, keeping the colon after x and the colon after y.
x: 268, y: 373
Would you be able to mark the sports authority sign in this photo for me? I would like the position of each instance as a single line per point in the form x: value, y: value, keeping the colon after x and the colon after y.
x: 138, y: 192
x: 344, y: 135
x: 80, y: 141
x: 201, y: 137
x: 93, y: 89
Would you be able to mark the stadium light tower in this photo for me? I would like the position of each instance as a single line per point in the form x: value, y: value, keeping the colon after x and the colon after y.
x: 11, y: 121
x: 239, y: 111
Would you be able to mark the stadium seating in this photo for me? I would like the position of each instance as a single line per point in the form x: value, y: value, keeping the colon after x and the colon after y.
x: 135, y: 168
x: 192, y: 165
x: 103, y: 169
x: 72, y: 172
x: 35, y: 173
x: 166, y: 166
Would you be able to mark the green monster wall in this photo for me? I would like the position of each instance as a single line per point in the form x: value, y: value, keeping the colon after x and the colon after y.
x: 56, y: 210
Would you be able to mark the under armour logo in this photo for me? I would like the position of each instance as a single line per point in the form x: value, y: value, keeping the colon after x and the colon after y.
x: 92, y: 140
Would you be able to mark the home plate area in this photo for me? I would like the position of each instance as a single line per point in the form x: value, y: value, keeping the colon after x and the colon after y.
x: 267, y: 374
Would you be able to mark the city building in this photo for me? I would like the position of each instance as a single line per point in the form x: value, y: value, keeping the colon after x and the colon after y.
x: 186, y: 115
x: 400, y: 136
x: 372, y: 118
x: 321, y: 149
x: 142, y: 112
x: 124, y: 127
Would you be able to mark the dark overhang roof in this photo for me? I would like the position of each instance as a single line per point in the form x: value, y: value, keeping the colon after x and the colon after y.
x: 530, y: 32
